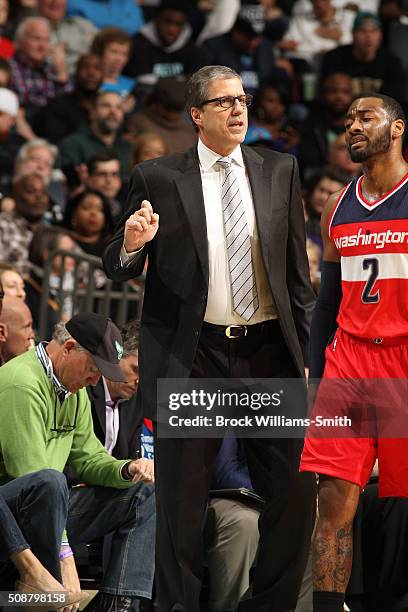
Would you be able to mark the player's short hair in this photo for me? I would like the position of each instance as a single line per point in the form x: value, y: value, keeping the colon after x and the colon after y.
x: 392, y: 107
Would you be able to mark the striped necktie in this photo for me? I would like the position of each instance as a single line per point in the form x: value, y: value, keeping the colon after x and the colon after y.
x: 242, y: 276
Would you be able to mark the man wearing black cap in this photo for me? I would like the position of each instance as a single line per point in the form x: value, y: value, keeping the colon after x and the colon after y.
x: 46, y: 423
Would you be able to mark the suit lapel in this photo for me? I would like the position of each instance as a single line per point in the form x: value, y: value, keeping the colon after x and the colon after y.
x: 261, y: 187
x: 190, y: 189
x: 98, y: 393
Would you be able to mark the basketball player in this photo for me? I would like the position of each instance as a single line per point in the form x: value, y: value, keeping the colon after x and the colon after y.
x: 365, y: 289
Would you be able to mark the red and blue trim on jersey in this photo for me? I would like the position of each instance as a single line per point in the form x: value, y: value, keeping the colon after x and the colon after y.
x: 372, y: 239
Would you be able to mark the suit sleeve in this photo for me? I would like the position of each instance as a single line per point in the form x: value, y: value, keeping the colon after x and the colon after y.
x: 298, y: 276
x: 114, y: 269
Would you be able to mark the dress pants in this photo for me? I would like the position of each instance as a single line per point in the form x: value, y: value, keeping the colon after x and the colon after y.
x: 231, y: 541
x: 183, y: 477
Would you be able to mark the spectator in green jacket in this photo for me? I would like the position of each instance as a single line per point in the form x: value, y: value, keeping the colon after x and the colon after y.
x: 46, y: 423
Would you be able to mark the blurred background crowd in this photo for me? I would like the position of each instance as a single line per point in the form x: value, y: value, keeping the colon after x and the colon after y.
x: 89, y: 88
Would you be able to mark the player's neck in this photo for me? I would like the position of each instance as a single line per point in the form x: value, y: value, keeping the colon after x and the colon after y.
x: 380, y: 177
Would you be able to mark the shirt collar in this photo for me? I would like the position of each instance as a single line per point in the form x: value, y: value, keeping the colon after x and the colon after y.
x: 108, y: 399
x: 208, y: 157
x: 43, y: 357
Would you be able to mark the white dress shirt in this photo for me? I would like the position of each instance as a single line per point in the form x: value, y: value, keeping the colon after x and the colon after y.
x: 219, y: 304
x: 112, y: 419
x: 219, y: 309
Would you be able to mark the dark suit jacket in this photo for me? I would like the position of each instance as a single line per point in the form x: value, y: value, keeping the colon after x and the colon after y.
x: 130, y: 427
x: 177, y: 276
x: 130, y: 422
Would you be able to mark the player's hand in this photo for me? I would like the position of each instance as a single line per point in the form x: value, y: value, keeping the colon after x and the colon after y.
x: 140, y: 228
x: 142, y: 470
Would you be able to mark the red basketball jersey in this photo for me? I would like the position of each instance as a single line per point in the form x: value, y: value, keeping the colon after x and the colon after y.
x: 372, y: 239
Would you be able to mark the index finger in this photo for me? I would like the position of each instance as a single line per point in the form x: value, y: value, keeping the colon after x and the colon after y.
x: 146, y: 204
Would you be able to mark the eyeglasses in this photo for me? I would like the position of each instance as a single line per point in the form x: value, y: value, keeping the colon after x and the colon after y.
x: 64, y: 428
x: 229, y: 101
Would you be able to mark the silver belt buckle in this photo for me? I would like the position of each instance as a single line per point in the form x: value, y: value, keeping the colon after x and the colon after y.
x: 230, y: 328
x: 377, y: 340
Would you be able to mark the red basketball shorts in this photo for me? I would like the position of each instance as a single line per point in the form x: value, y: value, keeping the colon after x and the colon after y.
x: 365, y: 386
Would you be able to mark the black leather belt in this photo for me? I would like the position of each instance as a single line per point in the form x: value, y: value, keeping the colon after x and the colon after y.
x: 238, y: 331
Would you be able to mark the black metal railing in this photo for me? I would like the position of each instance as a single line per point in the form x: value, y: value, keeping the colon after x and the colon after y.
x: 89, y: 290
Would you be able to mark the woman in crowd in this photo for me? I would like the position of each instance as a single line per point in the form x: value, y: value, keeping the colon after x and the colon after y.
x: 12, y: 281
x: 269, y: 121
x: 88, y: 218
x: 46, y: 241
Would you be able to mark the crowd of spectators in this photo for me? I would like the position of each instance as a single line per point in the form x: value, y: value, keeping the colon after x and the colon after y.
x: 89, y: 89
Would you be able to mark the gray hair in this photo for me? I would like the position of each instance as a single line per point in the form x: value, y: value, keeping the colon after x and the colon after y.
x: 25, y: 23
x: 60, y: 334
x: 35, y: 143
x: 197, y: 85
x: 130, y: 336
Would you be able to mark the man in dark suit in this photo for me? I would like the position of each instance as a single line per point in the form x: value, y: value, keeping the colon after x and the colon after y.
x: 117, y: 422
x: 212, y: 313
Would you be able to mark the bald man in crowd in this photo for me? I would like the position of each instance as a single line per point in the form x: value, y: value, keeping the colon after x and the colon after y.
x: 16, y: 321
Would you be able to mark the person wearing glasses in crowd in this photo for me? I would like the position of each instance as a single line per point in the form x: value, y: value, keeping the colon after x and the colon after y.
x: 46, y: 424
x: 211, y: 312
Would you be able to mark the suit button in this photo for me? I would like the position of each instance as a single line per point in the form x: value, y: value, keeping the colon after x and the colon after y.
x: 204, y: 297
x: 196, y: 333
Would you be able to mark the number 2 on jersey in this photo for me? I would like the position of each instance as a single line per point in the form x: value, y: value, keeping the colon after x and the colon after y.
x: 367, y: 297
